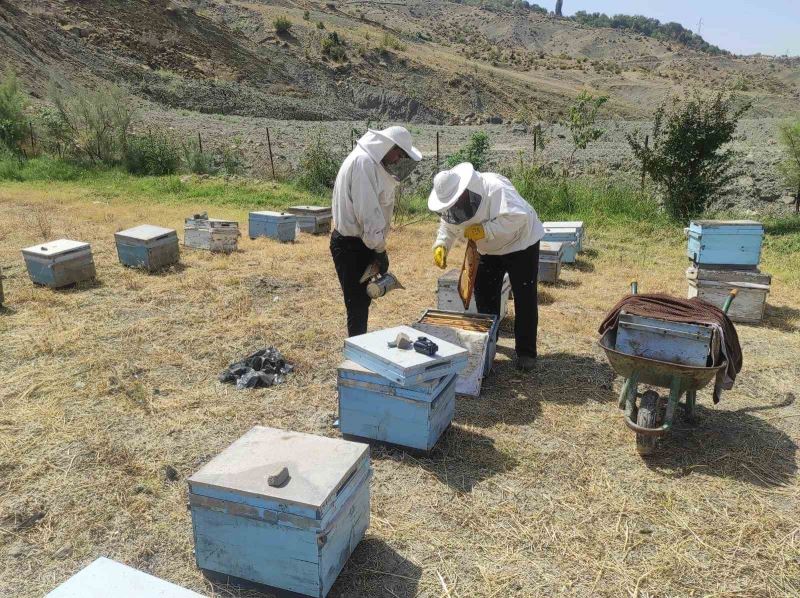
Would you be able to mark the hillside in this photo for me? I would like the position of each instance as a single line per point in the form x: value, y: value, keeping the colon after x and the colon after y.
x: 416, y: 61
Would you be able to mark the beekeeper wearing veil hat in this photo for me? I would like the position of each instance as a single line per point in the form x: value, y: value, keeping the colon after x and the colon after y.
x: 487, y: 209
x: 363, y: 204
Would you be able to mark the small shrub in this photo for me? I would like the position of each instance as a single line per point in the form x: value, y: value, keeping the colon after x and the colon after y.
x: 685, y: 157
x: 306, y: 16
x: 152, y: 154
x: 390, y: 42
x: 475, y: 152
x: 333, y: 47
x: 282, y: 25
x: 320, y: 25
x: 197, y: 161
x: 232, y: 159
x: 790, y: 168
x: 12, y: 116
x: 318, y: 167
x: 582, y: 122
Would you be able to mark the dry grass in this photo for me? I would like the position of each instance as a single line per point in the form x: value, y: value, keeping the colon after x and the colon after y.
x: 535, y: 491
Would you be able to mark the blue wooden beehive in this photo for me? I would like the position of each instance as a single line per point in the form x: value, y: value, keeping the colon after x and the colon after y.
x: 59, y: 263
x: 576, y: 224
x: 294, y: 535
x: 104, y: 578
x: 725, y: 242
x: 275, y: 225
x: 370, y: 406
x: 406, y: 367
x: 569, y: 237
x: 673, y: 342
x: 312, y: 219
x: 148, y: 247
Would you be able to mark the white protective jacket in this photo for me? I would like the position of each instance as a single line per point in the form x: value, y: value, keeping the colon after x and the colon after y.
x: 511, y: 224
x: 364, y: 193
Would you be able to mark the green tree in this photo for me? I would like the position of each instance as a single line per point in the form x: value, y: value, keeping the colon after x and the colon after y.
x: 582, y: 122
x: 687, y: 157
x: 12, y: 112
x: 790, y: 168
x: 282, y: 25
x: 475, y: 152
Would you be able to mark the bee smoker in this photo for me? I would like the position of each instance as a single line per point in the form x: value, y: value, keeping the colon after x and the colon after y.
x: 380, y: 285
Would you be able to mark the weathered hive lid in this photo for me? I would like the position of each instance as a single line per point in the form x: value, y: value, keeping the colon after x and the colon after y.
x: 742, y: 224
x: 53, y: 248
x: 144, y: 232
x: 562, y: 230
x: 551, y: 248
x: 376, y: 344
x: 104, y: 578
x: 272, y: 214
x: 318, y: 466
x: 577, y: 224
x: 309, y: 210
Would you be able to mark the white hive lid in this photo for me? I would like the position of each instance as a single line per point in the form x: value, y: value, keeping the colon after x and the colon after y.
x: 564, y: 224
x: 318, y: 466
x: 551, y: 247
x: 53, y: 248
x: 376, y: 344
x: 273, y: 214
x: 145, y: 232
x: 104, y: 578
x: 310, y: 209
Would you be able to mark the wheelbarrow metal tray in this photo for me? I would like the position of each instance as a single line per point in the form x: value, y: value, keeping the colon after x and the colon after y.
x: 673, y: 342
x: 725, y: 242
x: 375, y: 408
x: 653, y: 371
x: 448, y: 299
x: 477, y: 333
x: 280, y: 226
x: 104, y: 578
x: 59, y: 263
x: 147, y: 246
x: 296, y: 536
x: 406, y: 367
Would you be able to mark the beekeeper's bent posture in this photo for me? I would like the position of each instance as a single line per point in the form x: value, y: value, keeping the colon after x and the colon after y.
x: 487, y: 209
x: 363, y: 203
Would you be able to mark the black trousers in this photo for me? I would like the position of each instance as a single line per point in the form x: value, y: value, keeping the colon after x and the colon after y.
x: 351, y: 257
x: 523, y: 270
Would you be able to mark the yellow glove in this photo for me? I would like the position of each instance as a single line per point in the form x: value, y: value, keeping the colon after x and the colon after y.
x: 475, y: 232
x: 440, y: 256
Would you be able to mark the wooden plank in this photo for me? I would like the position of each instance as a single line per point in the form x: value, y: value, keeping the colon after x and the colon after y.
x: 104, y: 578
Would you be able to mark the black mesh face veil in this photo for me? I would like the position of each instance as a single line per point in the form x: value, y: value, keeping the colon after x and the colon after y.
x: 401, y: 168
x: 464, y: 209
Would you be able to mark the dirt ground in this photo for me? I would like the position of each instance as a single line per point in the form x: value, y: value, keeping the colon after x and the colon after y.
x: 536, y: 490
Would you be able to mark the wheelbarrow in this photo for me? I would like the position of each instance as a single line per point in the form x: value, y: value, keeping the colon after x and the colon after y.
x: 649, y: 420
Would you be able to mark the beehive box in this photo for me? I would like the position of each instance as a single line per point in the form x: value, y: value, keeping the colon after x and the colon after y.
x: 747, y: 307
x: 569, y: 237
x: 211, y: 234
x: 406, y: 367
x: 105, y: 578
x: 315, y: 220
x: 280, y: 226
x: 573, y: 224
x: 448, y: 299
x: 673, y: 342
x: 474, y: 332
x: 551, y: 254
x: 148, y: 247
x: 59, y: 263
x: 370, y: 406
x: 296, y: 536
x: 733, y: 243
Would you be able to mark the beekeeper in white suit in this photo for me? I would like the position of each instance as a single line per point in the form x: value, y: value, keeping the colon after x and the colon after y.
x: 487, y: 209
x: 363, y: 204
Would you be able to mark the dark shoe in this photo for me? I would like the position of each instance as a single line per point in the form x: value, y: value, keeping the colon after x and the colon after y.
x: 525, y: 363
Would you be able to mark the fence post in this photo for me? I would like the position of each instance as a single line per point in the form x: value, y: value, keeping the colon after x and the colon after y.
x: 271, y: 162
x: 535, y: 140
x: 352, y: 141
x: 437, y: 150
x: 200, y: 142
x: 33, y: 142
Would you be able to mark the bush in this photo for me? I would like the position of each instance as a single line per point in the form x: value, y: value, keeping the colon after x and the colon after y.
x: 390, y: 42
x: 685, y: 157
x: 152, y: 154
x: 90, y: 125
x: 306, y: 16
x: 320, y: 25
x: 475, y: 152
x: 12, y: 116
x: 333, y: 47
x: 582, y: 122
x: 196, y: 160
x: 282, y: 25
x: 790, y: 167
x: 318, y: 167
x: 12, y: 168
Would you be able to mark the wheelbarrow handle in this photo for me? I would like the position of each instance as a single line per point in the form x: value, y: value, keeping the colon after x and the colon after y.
x: 726, y: 306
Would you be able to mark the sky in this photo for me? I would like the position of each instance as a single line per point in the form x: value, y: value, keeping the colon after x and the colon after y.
x: 741, y: 26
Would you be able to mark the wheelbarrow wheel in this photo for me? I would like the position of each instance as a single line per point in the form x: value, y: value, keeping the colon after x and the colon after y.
x: 649, y: 416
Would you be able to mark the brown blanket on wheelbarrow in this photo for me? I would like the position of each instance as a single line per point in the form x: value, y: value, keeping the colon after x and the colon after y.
x: 690, y: 311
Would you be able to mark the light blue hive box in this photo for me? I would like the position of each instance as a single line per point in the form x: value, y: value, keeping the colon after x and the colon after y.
x: 59, y: 263
x: 280, y: 226
x: 725, y: 243
x: 148, y: 247
x: 295, y: 537
x: 105, y: 578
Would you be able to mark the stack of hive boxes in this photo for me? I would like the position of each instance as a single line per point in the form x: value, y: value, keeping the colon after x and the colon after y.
x: 551, y: 255
x: 725, y: 255
x: 397, y: 395
x: 213, y: 234
x: 315, y: 220
x: 570, y: 234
